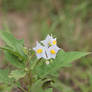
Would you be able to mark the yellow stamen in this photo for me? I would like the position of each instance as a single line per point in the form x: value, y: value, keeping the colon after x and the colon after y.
x: 39, y: 51
x: 53, y: 51
x: 54, y: 42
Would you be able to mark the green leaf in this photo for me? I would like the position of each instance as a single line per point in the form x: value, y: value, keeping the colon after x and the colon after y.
x: 61, y: 87
x: 21, y: 42
x: 11, y: 41
x: 17, y: 74
x: 5, y: 88
x: 8, y: 38
x: 37, y: 86
x: 13, y: 60
x: 10, y: 50
x: 63, y: 59
x: 49, y: 90
x: 4, y: 77
x: 8, y: 88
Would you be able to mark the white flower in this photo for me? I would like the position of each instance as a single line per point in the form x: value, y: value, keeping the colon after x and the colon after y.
x: 49, y: 41
x: 48, y: 50
x: 52, y: 51
x: 40, y: 51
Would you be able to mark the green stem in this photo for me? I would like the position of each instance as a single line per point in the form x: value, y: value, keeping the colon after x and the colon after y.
x: 33, y: 66
x: 29, y: 76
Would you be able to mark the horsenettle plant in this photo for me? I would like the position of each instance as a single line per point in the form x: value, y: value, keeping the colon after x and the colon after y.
x: 34, y: 70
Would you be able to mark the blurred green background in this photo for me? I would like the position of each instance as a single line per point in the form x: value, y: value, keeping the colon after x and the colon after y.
x: 68, y: 20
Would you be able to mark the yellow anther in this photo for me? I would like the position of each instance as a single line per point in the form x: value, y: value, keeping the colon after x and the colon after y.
x: 54, y: 42
x: 39, y: 51
x: 53, y: 52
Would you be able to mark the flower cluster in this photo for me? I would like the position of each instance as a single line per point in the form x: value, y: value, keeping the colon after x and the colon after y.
x: 47, y: 48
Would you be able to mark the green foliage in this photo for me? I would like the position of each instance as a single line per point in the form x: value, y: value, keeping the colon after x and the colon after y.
x: 5, y: 88
x: 73, y: 18
x: 13, y: 60
x: 49, y: 90
x: 4, y: 77
x: 17, y: 74
x: 63, y: 59
x: 35, y: 73
x: 60, y: 86
x: 37, y: 86
x: 14, y: 45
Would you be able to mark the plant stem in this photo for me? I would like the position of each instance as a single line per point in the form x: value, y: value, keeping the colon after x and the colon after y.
x: 34, y: 64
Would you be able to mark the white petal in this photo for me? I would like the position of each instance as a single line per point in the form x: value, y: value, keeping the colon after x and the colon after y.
x: 49, y: 54
x: 39, y: 55
x: 47, y: 41
x: 34, y: 48
x: 53, y: 56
